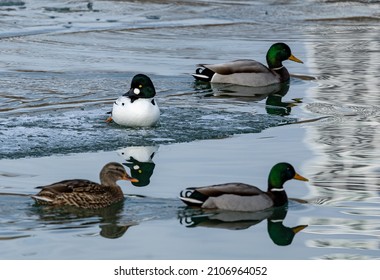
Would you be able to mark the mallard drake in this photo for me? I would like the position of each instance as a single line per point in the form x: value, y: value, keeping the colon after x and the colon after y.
x: 244, y: 197
x: 137, y: 107
x: 85, y: 193
x: 248, y: 72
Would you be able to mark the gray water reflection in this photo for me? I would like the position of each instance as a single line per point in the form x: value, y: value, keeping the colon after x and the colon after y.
x: 280, y: 234
x: 272, y: 94
x: 346, y: 169
x: 21, y: 218
x: 139, y: 160
x: 71, y: 218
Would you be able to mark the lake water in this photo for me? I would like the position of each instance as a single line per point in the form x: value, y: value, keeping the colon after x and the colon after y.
x: 63, y: 63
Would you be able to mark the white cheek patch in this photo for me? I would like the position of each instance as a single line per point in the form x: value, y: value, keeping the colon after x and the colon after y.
x: 136, y: 91
x: 136, y: 167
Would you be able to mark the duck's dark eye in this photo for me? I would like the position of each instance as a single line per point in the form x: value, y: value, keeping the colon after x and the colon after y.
x: 119, y: 170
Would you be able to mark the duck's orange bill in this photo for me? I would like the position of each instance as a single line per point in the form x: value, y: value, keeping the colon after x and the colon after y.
x: 295, y: 59
x: 129, y: 178
x: 300, y: 178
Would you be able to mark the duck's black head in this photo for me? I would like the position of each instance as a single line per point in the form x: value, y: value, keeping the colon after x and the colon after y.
x: 141, y: 87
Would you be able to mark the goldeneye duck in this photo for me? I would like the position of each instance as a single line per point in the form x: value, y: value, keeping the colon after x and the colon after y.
x: 137, y: 107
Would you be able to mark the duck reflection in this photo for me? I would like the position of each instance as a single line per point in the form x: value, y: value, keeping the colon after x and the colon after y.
x: 140, y: 162
x: 280, y: 234
x: 108, y: 219
x: 275, y: 105
x: 231, y: 90
x: 272, y: 93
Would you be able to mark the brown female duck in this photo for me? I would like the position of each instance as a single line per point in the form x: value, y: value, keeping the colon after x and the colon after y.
x: 85, y: 193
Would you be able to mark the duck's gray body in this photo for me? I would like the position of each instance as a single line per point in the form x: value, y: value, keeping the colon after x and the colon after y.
x: 231, y: 196
x: 246, y: 72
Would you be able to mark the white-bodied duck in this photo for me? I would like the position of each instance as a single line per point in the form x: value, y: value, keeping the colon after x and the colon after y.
x: 137, y: 107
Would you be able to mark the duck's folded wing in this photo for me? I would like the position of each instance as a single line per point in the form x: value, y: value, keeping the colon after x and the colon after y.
x: 237, y: 66
x: 69, y: 186
x: 229, y: 188
x: 197, y: 196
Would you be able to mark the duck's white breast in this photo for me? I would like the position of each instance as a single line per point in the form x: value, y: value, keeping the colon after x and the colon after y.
x: 141, y: 112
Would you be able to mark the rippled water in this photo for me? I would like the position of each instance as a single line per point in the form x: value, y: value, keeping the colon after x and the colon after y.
x: 63, y: 63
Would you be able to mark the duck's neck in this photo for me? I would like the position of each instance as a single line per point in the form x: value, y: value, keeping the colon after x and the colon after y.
x: 108, y: 182
x: 276, y: 66
x: 282, y: 73
x: 112, y: 186
x: 278, y: 193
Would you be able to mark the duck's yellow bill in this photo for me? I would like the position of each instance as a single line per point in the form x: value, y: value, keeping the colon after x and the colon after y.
x: 300, y: 178
x: 298, y: 228
x: 295, y: 59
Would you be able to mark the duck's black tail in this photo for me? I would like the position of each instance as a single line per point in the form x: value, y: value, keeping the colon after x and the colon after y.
x: 191, y: 197
x: 203, y: 74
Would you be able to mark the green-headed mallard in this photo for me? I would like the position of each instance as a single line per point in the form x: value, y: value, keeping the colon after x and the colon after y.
x: 248, y: 72
x: 85, y: 193
x: 137, y: 107
x: 244, y: 197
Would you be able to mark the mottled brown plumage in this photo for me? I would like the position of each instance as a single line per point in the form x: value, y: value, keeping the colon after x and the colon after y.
x: 85, y: 193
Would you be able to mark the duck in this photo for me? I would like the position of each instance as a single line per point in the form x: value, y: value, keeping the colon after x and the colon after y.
x: 84, y: 193
x: 248, y: 72
x: 137, y: 107
x: 241, y: 196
